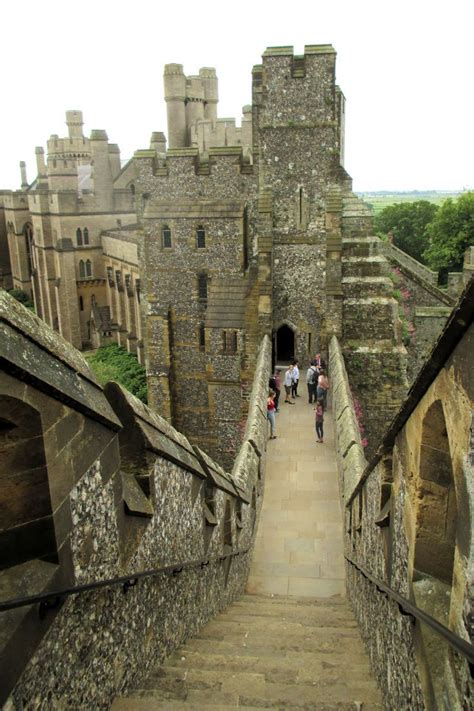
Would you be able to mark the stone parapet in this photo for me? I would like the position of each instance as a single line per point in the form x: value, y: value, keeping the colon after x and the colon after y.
x: 144, y: 499
x: 350, y: 452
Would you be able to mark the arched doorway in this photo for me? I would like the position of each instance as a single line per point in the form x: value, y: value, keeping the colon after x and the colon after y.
x: 435, y: 541
x: 284, y: 344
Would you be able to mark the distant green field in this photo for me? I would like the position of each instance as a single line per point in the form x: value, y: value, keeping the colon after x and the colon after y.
x: 379, y: 200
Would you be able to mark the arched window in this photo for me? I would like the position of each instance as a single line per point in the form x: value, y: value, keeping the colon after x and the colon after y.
x: 82, y: 270
x: 436, y: 516
x: 79, y: 237
x: 435, y: 543
x: 88, y: 268
x: 26, y: 523
x: 28, y: 232
x: 200, y: 237
x: 81, y: 304
x: 166, y: 237
x: 86, y: 235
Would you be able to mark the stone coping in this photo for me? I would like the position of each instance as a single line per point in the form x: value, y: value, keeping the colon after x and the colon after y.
x: 35, y: 329
x: 31, y: 350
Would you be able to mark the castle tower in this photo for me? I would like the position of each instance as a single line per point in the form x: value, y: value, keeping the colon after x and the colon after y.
x: 175, y: 95
x: 62, y: 171
x: 211, y: 93
x: 101, y: 169
x: 194, y: 102
x: 74, y: 124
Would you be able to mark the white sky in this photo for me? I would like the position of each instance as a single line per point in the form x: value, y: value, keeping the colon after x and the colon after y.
x: 405, y: 67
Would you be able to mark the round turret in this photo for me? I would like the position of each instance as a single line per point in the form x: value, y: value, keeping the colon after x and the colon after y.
x: 211, y: 92
x: 175, y: 94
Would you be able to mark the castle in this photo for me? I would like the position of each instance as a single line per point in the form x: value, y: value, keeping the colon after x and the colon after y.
x: 212, y: 258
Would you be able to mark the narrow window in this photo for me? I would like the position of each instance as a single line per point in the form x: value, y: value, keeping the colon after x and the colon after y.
x: 79, y: 237
x: 200, y: 237
x: 137, y: 289
x: 210, y: 504
x: 82, y: 270
x: 229, y: 342
x: 128, y: 282
x: 110, y: 276
x: 88, y: 268
x: 202, y: 337
x: 246, y: 240
x: 28, y: 232
x: 81, y: 303
x: 202, y: 287
x: 86, y: 235
x: 166, y: 237
x: 118, y: 279
x: 309, y: 343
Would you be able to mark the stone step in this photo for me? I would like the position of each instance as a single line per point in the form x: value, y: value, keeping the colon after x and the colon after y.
x: 332, y: 651
x: 281, y: 601
x: 266, y: 628
x: 220, y: 686
x: 309, y: 618
x: 285, y: 667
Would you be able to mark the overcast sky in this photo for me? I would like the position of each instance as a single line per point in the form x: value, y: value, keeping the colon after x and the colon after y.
x: 405, y: 67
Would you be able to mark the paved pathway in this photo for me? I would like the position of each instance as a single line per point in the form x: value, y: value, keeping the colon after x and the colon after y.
x: 299, y: 545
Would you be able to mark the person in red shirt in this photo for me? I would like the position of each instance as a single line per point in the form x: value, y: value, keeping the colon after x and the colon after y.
x: 271, y: 413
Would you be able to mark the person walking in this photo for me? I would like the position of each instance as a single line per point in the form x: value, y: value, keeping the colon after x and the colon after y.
x: 296, y: 379
x: 319, y: 421
x: 311, y: 379
x: 288, y: 382
x: 271, y: 413
x: 322, y: 388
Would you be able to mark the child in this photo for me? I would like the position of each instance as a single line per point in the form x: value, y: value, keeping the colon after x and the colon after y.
x: 319, y: 409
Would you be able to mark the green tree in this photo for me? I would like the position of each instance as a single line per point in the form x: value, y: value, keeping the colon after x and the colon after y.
x: 115, y: 363
x: 407, y: 221
x: 23, y: 298
x: 450, y: 233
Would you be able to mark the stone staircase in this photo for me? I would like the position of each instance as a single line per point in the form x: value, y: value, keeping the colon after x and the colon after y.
x: 266, y: 652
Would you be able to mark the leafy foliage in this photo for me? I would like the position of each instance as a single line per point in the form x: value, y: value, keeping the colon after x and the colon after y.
x: 450, y: 233
x: 115, y: 363
x: 407, y: 222
x: 23, y: 298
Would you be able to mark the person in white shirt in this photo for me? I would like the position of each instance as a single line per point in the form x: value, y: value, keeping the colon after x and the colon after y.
x: 288, y: 382
x: 296, y: 378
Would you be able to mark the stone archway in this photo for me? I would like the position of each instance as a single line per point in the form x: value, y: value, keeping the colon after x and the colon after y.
x: 284, y: 344
x: 435, y: 543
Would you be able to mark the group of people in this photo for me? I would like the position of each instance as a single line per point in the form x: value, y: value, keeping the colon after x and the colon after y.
x: 318, y: 386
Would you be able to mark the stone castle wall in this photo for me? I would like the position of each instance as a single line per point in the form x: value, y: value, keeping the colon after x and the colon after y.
x: 296, y: 118
x: 199, y: 386
x: 392, y: 511
x: 117, y: 513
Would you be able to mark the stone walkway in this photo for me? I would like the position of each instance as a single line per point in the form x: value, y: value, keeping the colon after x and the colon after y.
x: 299, y: 546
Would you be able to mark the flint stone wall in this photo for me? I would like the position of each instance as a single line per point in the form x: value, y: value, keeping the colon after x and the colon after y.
x: 383, y: 501
x: 102, y: 642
